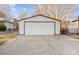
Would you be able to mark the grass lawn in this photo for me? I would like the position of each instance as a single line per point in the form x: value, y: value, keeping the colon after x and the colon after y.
x: 8, y: 36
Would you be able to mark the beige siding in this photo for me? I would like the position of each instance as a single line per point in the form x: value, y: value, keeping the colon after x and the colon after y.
x: 40, y: 18
x: 9, y: 26
x: 73, y: 25
x: 57, y: 25
x: 21, y: 27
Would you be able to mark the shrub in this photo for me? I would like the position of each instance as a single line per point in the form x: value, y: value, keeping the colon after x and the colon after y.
x: 2, y: 27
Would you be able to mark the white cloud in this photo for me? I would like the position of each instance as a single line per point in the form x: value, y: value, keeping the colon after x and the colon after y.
x: 13, y: 10
x: 12, y: 5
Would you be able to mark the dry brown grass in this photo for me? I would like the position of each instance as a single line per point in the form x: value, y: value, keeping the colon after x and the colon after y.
x: 74, y: 36
x: 8, y: 36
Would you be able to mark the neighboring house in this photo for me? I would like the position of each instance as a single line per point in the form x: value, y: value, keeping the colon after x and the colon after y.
x: 73, y: 26
x: 39, y: 25
x: 9, y: 25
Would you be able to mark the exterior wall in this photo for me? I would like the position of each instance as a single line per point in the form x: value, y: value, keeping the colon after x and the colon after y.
x: 38, y: 18
x: 73, y: 26
x: 21, y: 27
x: 57, y: 26
x: 9, y: 26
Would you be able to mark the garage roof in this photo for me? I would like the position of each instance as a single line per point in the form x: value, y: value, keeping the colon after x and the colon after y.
x: 40, y: 15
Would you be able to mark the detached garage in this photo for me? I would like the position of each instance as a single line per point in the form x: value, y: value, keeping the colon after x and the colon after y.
x: 39, y: 25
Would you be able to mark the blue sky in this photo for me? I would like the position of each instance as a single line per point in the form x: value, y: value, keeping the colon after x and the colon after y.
x: 30, y: 9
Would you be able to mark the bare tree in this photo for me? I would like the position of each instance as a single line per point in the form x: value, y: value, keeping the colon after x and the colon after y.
x: 22, y: 14
x: 58, y: 11
x: 5, y: 11
x: 2, y: 15
x: 14, y: 21
x: 63, y: 12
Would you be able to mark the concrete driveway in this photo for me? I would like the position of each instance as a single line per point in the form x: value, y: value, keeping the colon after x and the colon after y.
x: 40, y: 45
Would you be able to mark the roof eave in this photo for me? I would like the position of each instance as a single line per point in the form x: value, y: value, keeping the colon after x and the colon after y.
x: 75, y: 20
x: 39, y: 15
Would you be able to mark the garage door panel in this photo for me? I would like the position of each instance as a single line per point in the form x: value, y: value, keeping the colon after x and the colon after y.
x: 39, y: 28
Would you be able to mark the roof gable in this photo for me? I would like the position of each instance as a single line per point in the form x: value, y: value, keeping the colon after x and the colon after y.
x: 42, y: 16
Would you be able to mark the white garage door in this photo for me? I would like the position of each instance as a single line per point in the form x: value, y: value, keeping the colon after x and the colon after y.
x: 39, y: 28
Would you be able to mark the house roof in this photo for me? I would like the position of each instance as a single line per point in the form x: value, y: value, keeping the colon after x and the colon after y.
x: 39, y: 15
x: 75, y: 20
x: 6, y: 21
